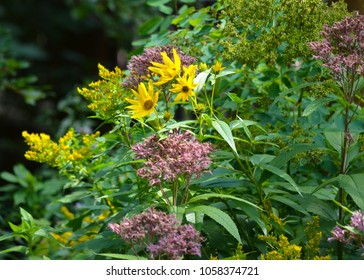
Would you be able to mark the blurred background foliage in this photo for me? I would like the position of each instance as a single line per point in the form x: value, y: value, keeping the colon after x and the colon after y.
x: 47, y: 48
x: 50, y: 47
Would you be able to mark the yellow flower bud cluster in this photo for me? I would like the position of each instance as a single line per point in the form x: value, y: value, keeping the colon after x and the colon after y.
x: 280, y: 248
x: 69, y: 149
x: 106, y: 95
x: 67, y: 238
x: 283, y: 250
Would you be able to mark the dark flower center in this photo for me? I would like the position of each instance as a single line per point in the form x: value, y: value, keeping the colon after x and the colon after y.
x: 148, y: 104
x: 185, y: 89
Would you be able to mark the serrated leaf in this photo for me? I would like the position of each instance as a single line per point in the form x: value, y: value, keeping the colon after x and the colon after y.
x: 224, y: 130
x: 282, y: 174
x: 122, y: 256
x: 220, y: 217
x: 354, y: 185
x: 223, y: 196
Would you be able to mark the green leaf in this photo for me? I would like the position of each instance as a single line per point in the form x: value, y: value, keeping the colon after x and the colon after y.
x: 157, y: 3
x: 122, y: 256
x: 240, y: 123
x: 7, y: 176
x: 245, y: 128
x: 7, y: 236
x: 282, y: 174
x: 223, y: 196
x: 27, y: 217
x: 285, y: 156
x: 314, y: 105
x: 74, y: 196
x: 318, y: 207
x: 220, y: 217
x: 261, y: 159
x: 19, y: 249
x: 335, y: 139
x: 254, y: 214
x: 150, y: 26
x: 224, y: 130
x: 223, y: 183
x: 201, y: 79
x: 354, y: 185
x: 31, y: 96
x: 285, y: 199
x: 294, y: 89
x: 15, y: 228
x: 165, y: 9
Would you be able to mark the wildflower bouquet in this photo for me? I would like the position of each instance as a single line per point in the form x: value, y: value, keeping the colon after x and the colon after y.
x: 213, y: 148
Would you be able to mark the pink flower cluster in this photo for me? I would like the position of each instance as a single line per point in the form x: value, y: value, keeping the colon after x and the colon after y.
x: 145, y: 226
x: 185, y: 240
x: 342, y: 49
x: 138, y: 65
x: 351, y: 237
x: 167, y: 159
x: 161, y: 234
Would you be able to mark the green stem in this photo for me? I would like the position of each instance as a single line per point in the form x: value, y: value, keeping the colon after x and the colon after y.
x: 185, y: 194
x: 249, y: 174
x: 175, y: 7
x: 212, y: 97
x: 165, y: 195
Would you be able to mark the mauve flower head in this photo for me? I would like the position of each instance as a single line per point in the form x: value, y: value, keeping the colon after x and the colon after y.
x: 339, y: 234
x: 161, y: 234
x: 357, y: 220
x: 179, y: 154
x: 146, y: 225
x: 342, y: 48
x: 183, y: 241
x: 350, y: 235
x: 138, y: 65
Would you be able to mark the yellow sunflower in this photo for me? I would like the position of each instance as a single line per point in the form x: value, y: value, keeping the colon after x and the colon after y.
x: 185, y: 85
x: 146, y: 101
x: 167, y: 71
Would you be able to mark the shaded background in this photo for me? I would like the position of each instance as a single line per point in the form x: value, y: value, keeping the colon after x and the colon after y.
x: 63, y: 41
